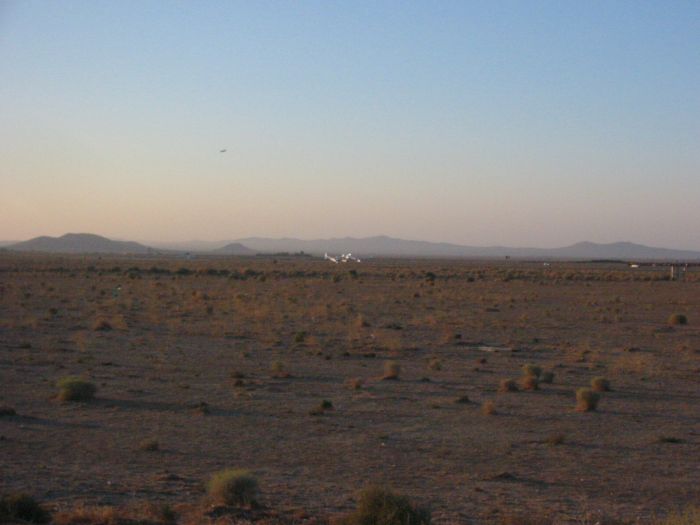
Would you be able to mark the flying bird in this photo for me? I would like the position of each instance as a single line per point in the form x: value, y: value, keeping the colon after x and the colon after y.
x: 222, y: 151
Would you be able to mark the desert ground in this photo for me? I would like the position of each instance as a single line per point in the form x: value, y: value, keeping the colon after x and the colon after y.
x: 224, y: 362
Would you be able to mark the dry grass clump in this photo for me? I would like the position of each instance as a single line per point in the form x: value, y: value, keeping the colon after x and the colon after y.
x: 508, y: 385
x: 149, y: 445
x: 7, y: 411
x: 391, y: 370
x: 600, y: 384
x: 355, y: 383
x: 73, y: 388
x: 233, y: 487
x: 556, y: 439
x: 488, y: 408
x: 101, y: 325
x: 530, y: 383
x: 23, y: 508
x: 532, y: 370
x: 323, y: 407
x: 435, y: 364
x: 586, y: 400
x: 380, y: 506
x: 277, y: 370
x: 677, y: 319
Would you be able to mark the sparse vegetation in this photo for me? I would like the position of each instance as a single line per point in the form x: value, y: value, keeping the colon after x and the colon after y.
x: 74, y: 388
x: 237, y: 487
x: 380, y: 506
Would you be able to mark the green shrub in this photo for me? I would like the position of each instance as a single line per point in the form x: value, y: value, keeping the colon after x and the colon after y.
x: 22, y: 507
x: 381, y: 506
x: 233, y: 487
x: 73, y: 388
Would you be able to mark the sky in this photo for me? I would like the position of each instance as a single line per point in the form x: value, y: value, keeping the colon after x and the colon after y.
x: 523, y: 123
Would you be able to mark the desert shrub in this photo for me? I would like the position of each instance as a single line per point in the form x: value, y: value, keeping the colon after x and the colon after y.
x: 7, y: 411
x: 101, y: 325
x: 323, y: 407
x: 73, y: 388
x: 277, y: 369
x: 22, y: 507
x: 530, y: 383
x: 149, y: 445
x: 586, y: 399
x: 391, y: 370
x: 556, y: 439
x: 435, y: 364
x: 677, y: 319
x: 355, y: 383
x: 488, y: 408
x: 670, y: 439
x: 547, y: 377
x: 532, y: 370
x: 233, y: 487
x: 508, y: 385
x: 381, y: 506
x: 600, y: 384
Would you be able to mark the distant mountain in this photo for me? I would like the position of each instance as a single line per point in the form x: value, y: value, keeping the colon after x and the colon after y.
x: 380, y: 246
x: 234, y: 248
x: 383, y: 246
x: 80, y: 243
x: 190, y: 246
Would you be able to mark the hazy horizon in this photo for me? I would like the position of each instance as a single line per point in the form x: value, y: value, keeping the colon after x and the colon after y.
x: 507, y: 123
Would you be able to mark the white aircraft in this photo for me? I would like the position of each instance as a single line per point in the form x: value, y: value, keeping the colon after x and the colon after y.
x: 342, y: 258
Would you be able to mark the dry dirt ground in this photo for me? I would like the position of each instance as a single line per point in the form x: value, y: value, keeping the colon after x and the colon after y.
x: 223, y: 361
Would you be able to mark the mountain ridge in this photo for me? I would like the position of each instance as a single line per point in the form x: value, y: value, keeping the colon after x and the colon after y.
x: 375, y: 246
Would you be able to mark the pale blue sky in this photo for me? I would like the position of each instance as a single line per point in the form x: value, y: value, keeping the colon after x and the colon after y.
x: 516, y: 123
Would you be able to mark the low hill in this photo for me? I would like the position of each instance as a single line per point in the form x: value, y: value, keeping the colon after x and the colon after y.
x: 80, y: 243
x: 234, y: 248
